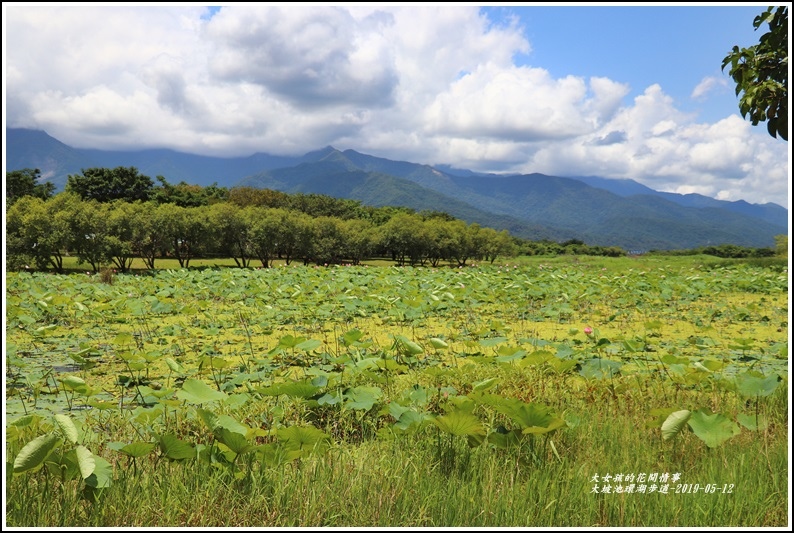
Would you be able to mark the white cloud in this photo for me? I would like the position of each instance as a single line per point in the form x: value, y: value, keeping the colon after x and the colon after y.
x: 430, y: 84
x: 707, y: 85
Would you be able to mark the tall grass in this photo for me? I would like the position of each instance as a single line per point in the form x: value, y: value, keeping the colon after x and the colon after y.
x: 428, y: 479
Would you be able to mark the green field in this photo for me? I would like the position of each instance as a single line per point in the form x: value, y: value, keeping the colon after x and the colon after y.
x: 536, y: 392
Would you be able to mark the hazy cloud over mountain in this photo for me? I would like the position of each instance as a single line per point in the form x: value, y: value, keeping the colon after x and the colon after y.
x: 429, y: 84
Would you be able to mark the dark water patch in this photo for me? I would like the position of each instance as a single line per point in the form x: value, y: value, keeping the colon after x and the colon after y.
x: 66, y: 368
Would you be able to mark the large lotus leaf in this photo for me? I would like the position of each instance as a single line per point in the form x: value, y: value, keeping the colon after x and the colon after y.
x: 752, y: 422
x: 67, y: 427
x: 561, y: 366
x: 537, y: 357
x: 85, y: 461
x: 493, y: 341
x: 274, y: 454
x: 174, y: 366
x: 302, y: 438
x: 502, y: 438
x: 288, y: 341
x: 235, y: 441
x: 196, y: 391
x: 534, y: 418
x: 460, y: 423
x: 102, y: 475
x: 390, y: 365
x: 418, y: 395
x: 530, y: 417
x: 351, y: 337
x: 674, y: 423
x: 308, y: 345
x: 600, y: 368
x: 34, y: 453
x: 74, y: 383
x: 362, y: 398
x: 175, y: 448
x: 328, y: 399
x: 713, y: 429
x: 751, y: 386
x: 396, y: 410
x: 64, y: 465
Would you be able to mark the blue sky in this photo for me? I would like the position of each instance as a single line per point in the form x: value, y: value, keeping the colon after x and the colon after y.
x: 674, y: 46
x: 631, y: 92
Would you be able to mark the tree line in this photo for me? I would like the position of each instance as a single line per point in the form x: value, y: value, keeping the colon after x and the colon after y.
x: 112, y: 216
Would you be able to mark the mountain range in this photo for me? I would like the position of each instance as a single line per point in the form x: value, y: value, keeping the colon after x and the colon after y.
x: 598, y: 211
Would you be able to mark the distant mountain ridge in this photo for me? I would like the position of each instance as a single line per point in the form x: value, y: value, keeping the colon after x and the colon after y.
x: 599, y: 211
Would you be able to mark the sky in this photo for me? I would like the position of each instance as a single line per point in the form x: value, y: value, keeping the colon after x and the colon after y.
x: 569, y: 90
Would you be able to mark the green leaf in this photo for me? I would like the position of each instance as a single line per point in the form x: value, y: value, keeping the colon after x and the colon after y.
x: 102, y: 476
x: 173, y: 365
x: 713, y: 429
x: 407, y: 346
x: 122, y: 339
x: 362, y: 398
x: 309, y: 345
x: 85, y: 460
x: 174, y: 448
x: 196, y: 391
x: 73, y: 383
x: 493, y: 341
x: 133, y: 449
x: 534, y: 418
x: 485, y: 384
x: 501, y: 438
x: 301, y: 437
x: 67, y: 427
x: 750, y: 422
x: 235, y: 441
x: 35, y: 452
x: 600, y: 368
x: 674, y: 423
x: 752, y: 386
x: 437, y: 343
x: 351, y: 336
x: 460, y: 423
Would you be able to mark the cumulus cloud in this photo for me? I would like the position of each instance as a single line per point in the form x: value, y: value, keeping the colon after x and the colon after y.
x: 311, y: 57
x: 429, y: 84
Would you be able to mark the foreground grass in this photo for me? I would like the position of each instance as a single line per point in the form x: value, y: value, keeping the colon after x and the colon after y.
x: 372, y: 472
x: 426, y: 478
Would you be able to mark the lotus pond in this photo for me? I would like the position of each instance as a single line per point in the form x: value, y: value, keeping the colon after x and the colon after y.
x: 255, y: 378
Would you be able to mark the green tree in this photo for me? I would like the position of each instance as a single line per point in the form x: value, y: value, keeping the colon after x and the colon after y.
x: 123, y: 221
x: 497, y: 243
x: 249, y: 196
x: 149, y: 240
x: 187, y: 230
x: 264, y: 229
x: 761, y: 73
x: 359, y: 238
x: 781, y: 244
x: 106, y: 185
x: 327, y: 240
x: 231, y: 232
x: 25, y: 182
x: 90, y: 233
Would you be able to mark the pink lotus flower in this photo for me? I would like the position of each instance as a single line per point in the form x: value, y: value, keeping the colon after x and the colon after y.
x: 588, y: 330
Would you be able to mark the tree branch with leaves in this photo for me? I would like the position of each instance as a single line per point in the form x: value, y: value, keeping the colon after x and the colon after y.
x: 761, y: 73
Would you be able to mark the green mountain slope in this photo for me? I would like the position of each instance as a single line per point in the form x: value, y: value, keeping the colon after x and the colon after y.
x: 535, y: 206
